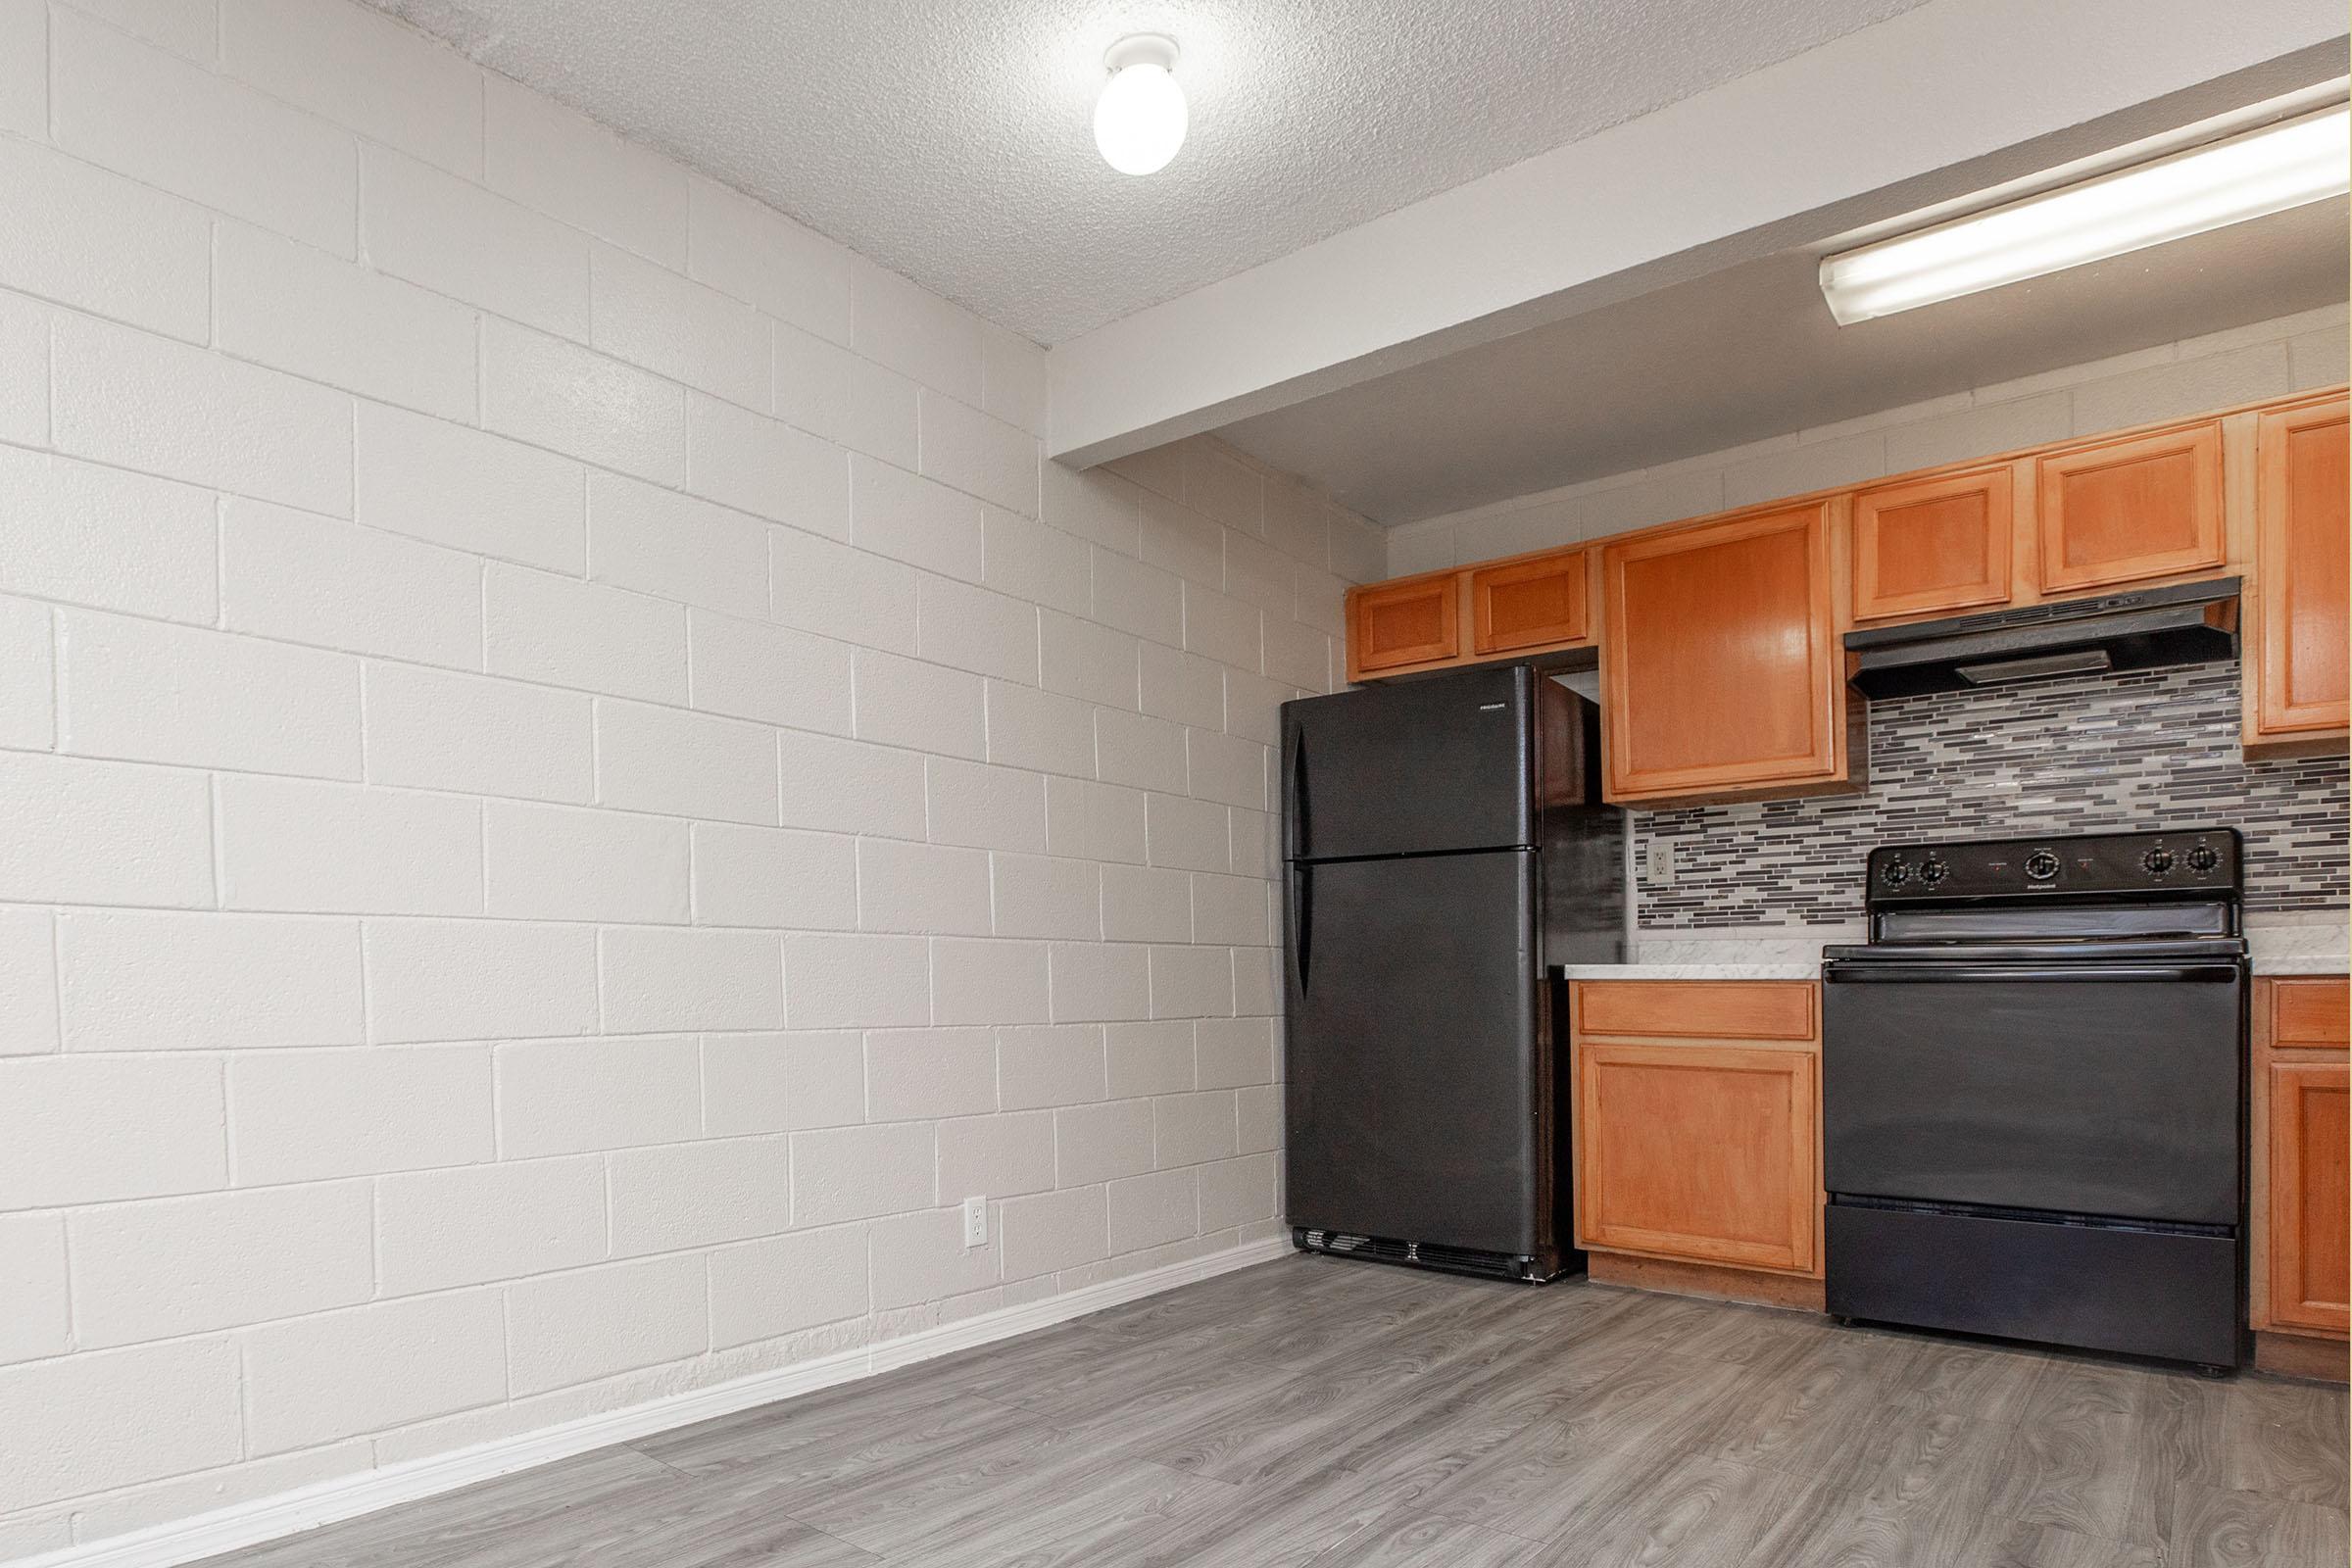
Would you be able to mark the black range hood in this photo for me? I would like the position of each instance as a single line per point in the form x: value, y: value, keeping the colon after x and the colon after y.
x: 2187, y: 623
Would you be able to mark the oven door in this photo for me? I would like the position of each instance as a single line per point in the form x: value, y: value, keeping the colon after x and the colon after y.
x: 2101, y: 1090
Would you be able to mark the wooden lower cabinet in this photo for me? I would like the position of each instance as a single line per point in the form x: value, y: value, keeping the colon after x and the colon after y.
x: 1696, y: 1151
x: 1713, y: 1009
x: 2302, y: 1161
x: 2313, y: 1012
x: 2310, y: 1267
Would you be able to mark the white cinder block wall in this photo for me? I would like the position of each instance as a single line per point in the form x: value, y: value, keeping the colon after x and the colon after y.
x: 2170, y: 380
x: 570, y: 780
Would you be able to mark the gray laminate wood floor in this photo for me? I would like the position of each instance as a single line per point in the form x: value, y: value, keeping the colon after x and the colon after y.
x: 1349, y: 1415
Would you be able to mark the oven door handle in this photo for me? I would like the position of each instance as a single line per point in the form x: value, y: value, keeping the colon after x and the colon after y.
x: 1918, y: 973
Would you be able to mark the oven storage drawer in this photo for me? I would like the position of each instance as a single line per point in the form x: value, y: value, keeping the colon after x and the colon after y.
x: 2079, y: 1285
x: 2110, y: 1094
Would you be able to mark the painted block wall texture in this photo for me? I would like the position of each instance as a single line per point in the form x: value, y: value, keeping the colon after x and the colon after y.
x: 570, y: 780
x: 2168, y: 381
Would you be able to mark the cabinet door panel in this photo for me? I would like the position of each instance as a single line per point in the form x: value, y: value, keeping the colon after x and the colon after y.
x: 1392, y: 624
x: 1530, y: 604
x: 1700, y: 1153
x: 2310, y: 1214
x: 1933, y: 544
x: 1720, y: 662
x: 2297, y: 658
x: 2120, y: 511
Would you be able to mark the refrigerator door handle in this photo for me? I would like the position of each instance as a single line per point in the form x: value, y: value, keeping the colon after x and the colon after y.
x: 1294, y: 816
x: 1302, y: 920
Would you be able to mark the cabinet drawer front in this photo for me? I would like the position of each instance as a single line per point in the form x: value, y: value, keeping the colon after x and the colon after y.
x: 2121, y: 510
x: 1403, y: 624
x: 2301, y: 573
x: 1697, y: 1009
x: 2310, y: 1207
x: 1706, y: 1153
x: 2311, y: 1012
x: 1530, y: 604
x: 1934, y: 544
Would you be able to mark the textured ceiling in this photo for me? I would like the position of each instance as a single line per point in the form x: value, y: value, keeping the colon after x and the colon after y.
x: 1751, y: 352
x: 952, y: 140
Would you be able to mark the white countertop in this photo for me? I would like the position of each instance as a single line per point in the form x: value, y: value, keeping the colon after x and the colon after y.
x: 1690, y: 971
x: 2280, y: 944
x: 1759, y: 952
x: 2299, y: 963
x: 2299, y: 945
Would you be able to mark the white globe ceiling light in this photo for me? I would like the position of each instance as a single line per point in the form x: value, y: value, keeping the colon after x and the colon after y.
x: 1140, y: 119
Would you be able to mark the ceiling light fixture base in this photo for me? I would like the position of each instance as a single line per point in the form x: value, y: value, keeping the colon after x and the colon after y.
x: 1141, y: 49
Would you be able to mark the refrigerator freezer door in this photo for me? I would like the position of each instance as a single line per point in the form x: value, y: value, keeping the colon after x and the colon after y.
x: 1418, y: 1105
x: 1438, y: 765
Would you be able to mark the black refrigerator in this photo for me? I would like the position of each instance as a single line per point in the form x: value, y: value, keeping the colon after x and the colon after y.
x: 1444, y: 843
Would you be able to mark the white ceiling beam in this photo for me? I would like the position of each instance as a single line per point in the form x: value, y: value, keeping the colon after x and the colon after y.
x: 1836, y: 135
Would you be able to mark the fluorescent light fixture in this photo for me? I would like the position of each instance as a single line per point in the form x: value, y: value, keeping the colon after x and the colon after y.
x: 2209, y: 187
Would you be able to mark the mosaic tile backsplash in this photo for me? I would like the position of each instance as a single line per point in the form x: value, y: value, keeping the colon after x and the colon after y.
x: 2095, y: 754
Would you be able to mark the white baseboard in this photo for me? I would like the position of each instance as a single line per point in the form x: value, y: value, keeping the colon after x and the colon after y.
x: 248, y: 1523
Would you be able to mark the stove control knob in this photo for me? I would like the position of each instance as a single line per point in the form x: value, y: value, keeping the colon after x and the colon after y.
x: 2042, y: 865
x: 2158, y: 860
x: 1896, y: 873
x: 2203, y: 857
x: 1933, y: 871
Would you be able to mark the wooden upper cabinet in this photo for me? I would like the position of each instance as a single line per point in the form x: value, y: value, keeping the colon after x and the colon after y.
x: 2296, y: 682
x: 1703, y: 1154
x: 2146, y: 506
x: 2309, y: 1216
x: 1410, y: 621
x: 1934, y: 545
x: 1721, y: 670
x: 1723, y: 676
x: 1537, y: 602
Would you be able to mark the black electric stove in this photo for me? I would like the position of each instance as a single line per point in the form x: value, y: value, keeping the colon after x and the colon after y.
x: 2033, y: 1094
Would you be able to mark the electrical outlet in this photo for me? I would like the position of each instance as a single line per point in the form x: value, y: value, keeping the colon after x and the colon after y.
x: 975, y: 1222
x: 1661, y: 865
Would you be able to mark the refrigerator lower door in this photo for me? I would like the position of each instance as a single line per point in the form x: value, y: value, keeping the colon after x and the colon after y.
x: 1419, y: 1082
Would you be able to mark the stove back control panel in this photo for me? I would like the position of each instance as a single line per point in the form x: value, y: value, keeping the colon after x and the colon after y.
x: 2186, y: 860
